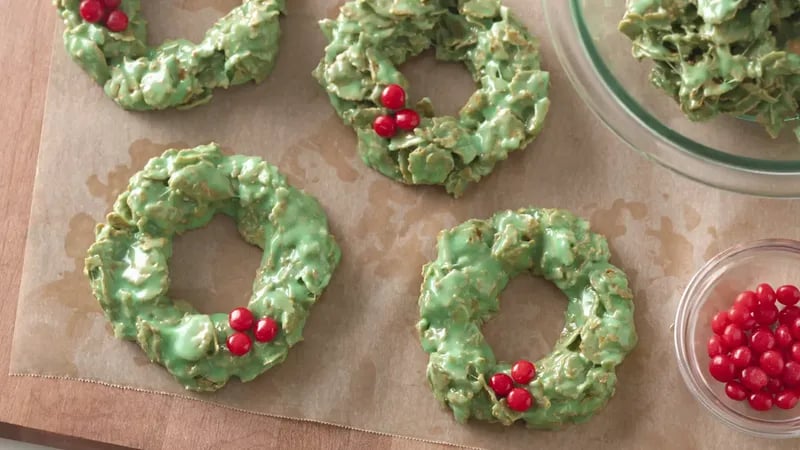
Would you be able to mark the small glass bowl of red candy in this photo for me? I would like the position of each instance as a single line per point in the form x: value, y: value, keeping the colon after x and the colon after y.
x: 735, y: 336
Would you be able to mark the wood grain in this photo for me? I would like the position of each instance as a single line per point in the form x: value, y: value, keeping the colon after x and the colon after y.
x: 61, y: 409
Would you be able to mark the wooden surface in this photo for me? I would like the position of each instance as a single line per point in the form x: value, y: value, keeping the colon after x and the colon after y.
x: 74, y: 409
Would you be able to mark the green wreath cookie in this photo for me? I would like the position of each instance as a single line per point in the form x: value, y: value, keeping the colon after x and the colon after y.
x: 108, y: 38
x: 180, y: 191
x: 460, y: 292
x: 723, y: 57
x: 370, y: 38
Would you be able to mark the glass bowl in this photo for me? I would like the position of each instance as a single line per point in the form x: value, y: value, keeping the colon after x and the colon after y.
x: 727, y: 152
x: 713, y: 288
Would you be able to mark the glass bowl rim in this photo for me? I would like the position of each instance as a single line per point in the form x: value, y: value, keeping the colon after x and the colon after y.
x: 638, y: 129
x: 684, y: 143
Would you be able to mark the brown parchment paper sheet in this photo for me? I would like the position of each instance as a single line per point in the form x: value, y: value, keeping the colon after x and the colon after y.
x: 361, y: 364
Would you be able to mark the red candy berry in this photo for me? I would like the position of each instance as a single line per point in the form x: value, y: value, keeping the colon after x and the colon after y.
x: 519, y: 400
x: 786, y: 400
x: 794, y: 351
x: 783, y: 337
x: 746, y: 299
x: 241, y: 319
x: 741, y: 357
x: 788, y: 294
x: 501, y: 384
x: 787, y: 355
x: 393, y: 97
x: 760, y: 401
x: 738, y: 315
x: 721, y: 368
x: 733, y: 336
x: 715, y: 346
x: 754, y: 378
x: 407, y: 119
x: 117, y: 21
x: 523, y: 371
x: 720, y: 321
x: 239, y: 343
x: 91, y: 10
x: 266, y: 329
x: 774, y: 386
x: 771, y: 362
x: 385, y: 126
x: 788, y: 315
x: 794, y: 328
x: 735, y: 391
x: 762, y: 340
x: 791, y: 374
x: 765, y: 295
x: 765, y: 314
x: 111, y: 4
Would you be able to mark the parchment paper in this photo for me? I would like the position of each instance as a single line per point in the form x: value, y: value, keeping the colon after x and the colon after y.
x: 361, y: 364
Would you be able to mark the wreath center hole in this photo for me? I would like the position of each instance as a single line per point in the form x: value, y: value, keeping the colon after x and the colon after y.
x: 530, y: 319
x: 213, y: 267
x: 195, y: 18
x: 448, y: 84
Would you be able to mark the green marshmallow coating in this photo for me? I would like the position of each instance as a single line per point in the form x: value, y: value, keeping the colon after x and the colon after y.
x: 241, y: 47
x: 460, y: 292
x: 180, y: 191
x: 721, y: 56
x: 370, y: 38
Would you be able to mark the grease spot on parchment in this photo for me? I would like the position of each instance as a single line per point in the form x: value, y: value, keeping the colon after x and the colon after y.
x: 691, y: 217
x: 333, y: 10
x: 611, y: 222
x: 720, y: 239
x: 140, y: 359
x: 398, y: 232
x: 140, y: 152
x: 384, y: 247
x: 71, y: 288
x: 72, y: 292
x: 675, y: 251
x: 739, y: 228
x: 530, y: 319
x: 448, y: 85
x: 366, y: 381
x: 213, y: 268
x: 633, y: 276
x: 363, y: 384
x: 222, y: 6
x: 303, y: 154
x: 713, y: 246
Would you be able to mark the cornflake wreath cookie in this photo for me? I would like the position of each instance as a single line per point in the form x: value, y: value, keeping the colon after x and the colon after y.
x: 181, y: 191
x: 725, y: 57
x: 370, y: 38
x: 108, y: 39
x: 460, y: 293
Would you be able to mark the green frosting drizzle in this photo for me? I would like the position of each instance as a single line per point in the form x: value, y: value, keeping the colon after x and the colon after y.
x: 180, y: 191
x: 721, y: 56
x: 240, y: 47
x: 370, y: 38
x: 460, y: 292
